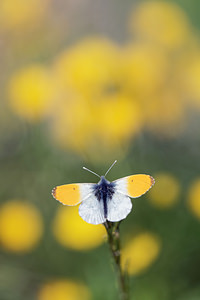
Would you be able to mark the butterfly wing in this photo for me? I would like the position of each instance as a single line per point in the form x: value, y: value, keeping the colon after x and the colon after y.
x: 72, y: 194
x: 135, y: 185
x: 91, y: 210
x: 119, y: 206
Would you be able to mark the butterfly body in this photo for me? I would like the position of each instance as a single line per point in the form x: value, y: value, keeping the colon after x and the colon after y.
x: 104, y: 191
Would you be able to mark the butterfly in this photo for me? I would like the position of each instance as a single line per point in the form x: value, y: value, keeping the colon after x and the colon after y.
x: 105, y: 200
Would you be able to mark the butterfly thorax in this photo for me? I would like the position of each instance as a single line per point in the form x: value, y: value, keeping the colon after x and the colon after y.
x: 104, y: 191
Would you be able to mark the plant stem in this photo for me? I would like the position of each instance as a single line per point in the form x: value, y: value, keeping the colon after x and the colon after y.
x: 114, y: 243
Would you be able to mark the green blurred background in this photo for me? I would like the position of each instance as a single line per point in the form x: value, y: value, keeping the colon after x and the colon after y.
x: 83, y: 83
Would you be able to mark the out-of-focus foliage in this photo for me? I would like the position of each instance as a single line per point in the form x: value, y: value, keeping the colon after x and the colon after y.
x: 84, y: 83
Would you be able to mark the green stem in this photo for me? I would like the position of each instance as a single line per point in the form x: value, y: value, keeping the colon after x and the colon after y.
x: 114, y: 243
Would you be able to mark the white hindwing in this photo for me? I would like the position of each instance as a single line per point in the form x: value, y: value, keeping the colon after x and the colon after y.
x: 91, y: 210
x: 118, y: 207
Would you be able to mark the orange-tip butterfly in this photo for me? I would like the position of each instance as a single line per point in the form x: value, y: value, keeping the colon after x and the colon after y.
x: 105, y: 200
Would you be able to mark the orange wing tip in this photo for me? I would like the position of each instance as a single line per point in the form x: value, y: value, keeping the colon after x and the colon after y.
x: 139, y: 184
x: 67, y: 194
x: 152, y: 181
x: 53, y: 192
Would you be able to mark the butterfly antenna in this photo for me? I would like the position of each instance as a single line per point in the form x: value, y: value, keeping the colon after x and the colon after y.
x: 110, y: 167
x: 91, y: 172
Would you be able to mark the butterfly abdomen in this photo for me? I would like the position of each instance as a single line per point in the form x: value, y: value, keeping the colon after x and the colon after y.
x: 104, y: 191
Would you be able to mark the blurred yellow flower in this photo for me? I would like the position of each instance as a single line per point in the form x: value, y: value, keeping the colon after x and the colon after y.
x: 118, y: 117
x: 161, y: 22
x: 20, y: 226
x: 190, y: 77
x: 94, y: 125
x: 140, y: 253
x: 73, y: 123
x: 90, y: 68
x: 145, y: 68
x: 95, y: 114
x: 165, y: 112
x: 31, y: 91
x: 15, y: 13
x: 72, y: 232
x: 63, y: 289
x: 166, y: 191
x: 146, y: 76
x: 194, y: 198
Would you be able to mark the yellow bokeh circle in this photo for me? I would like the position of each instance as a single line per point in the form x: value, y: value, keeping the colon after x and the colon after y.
x: 18, y: 13
x: 89, y: 126
x: 190, y: 73
x: 21, y: 226
x: 73, y: 123
x: 71, y: 231
x: 161, y: 22
x: 140, y: 253
x: 63, y: 289
x: 194, y: 198
x: 145, y: 67
x: 89, y: 66
x: 172, y: 122
x: 31, y: 92
x: 118, y: 117
x: 165, y: 192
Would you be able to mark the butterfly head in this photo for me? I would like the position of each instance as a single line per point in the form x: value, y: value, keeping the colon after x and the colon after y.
x: 103, y: 180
